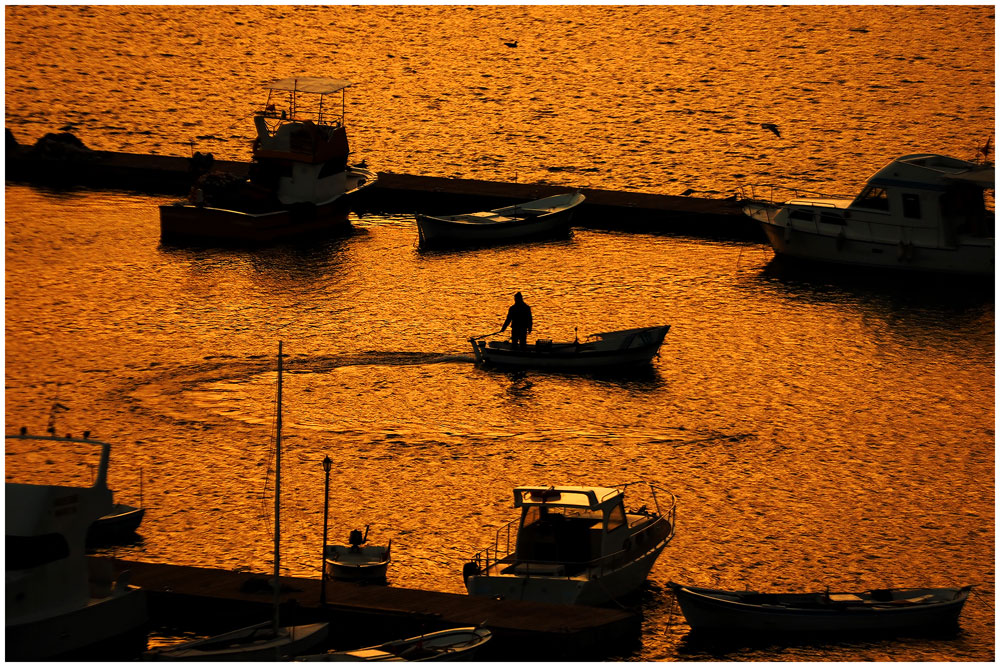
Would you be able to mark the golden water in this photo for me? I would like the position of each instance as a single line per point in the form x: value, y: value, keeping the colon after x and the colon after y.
x: 817, y: 431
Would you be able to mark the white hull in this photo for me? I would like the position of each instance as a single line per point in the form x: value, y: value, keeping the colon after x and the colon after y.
x: 973, y: 258
x: 590, y: 588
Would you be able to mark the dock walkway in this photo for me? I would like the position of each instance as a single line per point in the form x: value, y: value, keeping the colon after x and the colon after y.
x: 399, y: 193
x: 366, y: 614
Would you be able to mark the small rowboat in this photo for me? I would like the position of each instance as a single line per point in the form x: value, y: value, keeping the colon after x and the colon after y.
x: 120, y: 524
x: 446, y: 645
x: 542, y: 217
x: 612, y: 350
x: 876, y: 610
x: 257, y: 642
x: 357, y: 561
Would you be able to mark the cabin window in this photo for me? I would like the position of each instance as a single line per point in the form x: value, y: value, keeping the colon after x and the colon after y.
x: 797, y: 214
x: 873, y: 197
x: 616, y: 518
x: 831, y: 219
x: 24, y: 553
x: 531, y: 515
x: 911, y: 206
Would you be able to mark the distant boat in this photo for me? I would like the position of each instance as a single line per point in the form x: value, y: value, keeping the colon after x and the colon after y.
x: 875, y: 610
x: 456, y: 644
x: 356, y: 560
x: 921, y: 212
x: 300, y: 183
x: 608, y: 351
x: 119, y: 524
x: 60, y: 602
x: 264, y: 641
x: 574, y: 545
x: 543, y: 217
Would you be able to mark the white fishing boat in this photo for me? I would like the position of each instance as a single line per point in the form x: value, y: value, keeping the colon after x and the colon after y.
x: 264, y: 641
x: 874, y: 610
x: 357, y: 560
x: 608, y: 351
x: 299, y: 181
x: 921, y: 212
x: 542, y: 217
x: 60, y: 603
x: 574, y: 545
x: 456, y: 644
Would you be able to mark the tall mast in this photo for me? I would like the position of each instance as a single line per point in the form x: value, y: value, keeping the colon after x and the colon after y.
x: 277, y: 501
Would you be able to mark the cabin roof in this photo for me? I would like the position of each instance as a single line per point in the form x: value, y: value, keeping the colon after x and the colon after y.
x: 309, y: 84
x: 591, y: 497
x: 931, y: 167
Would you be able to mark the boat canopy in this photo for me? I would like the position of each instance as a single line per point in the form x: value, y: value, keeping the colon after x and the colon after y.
x: 590, y: 497
x: 309, y: 84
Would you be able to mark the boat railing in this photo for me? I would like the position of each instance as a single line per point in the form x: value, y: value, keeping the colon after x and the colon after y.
x: 779, y: 194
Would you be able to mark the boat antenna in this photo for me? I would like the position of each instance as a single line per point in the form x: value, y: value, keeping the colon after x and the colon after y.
x: 277, y: 503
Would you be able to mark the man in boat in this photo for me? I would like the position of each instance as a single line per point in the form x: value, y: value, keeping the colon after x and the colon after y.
x: 519, y: 319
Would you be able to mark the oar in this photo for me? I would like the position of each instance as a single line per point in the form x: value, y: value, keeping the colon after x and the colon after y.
x: 485, y: 335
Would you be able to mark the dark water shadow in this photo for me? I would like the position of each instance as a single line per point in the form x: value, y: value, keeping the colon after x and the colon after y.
x: 442, y: 250
x: 716, y: 645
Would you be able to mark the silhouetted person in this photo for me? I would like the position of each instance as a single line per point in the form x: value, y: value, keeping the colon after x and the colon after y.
x: 519, y: 319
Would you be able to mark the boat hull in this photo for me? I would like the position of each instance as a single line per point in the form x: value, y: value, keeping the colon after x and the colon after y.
x: 457, y: 644
x: 244, y: 644
x: 458, y: 230
x: 120, y: 524
x: 705, y: 611
x: 186, y: 222
x: 846, y: 246
x: 73, y: 633
x: 573, y: 357
x: 370, y: 563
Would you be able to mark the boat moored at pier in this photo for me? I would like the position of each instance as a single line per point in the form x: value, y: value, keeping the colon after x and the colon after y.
x: 921, y: 212
x: 299, y: 182
x: 880, y: 610
x: 574, y: 545
x: 59, y: 603
x: 549, y: 216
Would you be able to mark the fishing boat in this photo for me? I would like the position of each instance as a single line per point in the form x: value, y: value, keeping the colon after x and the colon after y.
x: 880, y: 610
x: 60, y: 603
x: 357, y: 560
x: 299, y: 181
x: 922, y: 212
x: 574, y: 545
x: 268, y: 640
x: 456, y: 644
x: 543, y: 217
x: 608, y: 351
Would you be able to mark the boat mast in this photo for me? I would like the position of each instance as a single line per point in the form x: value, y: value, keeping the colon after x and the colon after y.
x: 277, y: 501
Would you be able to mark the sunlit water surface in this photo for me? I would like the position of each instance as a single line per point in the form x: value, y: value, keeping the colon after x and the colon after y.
x: 816, y: 433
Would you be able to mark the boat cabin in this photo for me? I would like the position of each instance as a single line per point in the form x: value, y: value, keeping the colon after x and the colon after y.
x: 569, y: 525
x: 301, y: 148
x: 934, y: 198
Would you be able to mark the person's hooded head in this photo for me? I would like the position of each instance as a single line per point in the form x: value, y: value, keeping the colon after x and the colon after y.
x: 518, y: 298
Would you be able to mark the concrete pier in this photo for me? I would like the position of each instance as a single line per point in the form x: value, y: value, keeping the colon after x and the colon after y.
x: 367, y: 614
x: 68, y: 166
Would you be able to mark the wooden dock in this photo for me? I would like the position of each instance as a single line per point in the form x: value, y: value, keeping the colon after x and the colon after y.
x: 365, y: 614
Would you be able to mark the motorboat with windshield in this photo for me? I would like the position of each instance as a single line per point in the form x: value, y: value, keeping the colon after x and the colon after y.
x: 575, y: 545
x: 921, y: 212
x: 299, y: 183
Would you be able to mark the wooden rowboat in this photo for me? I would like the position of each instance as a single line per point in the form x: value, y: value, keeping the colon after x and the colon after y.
x: 609, y: 351
x: 446, y: 645
x: 875, y: 610
x: 257, y: 643
x: 542, y: 217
